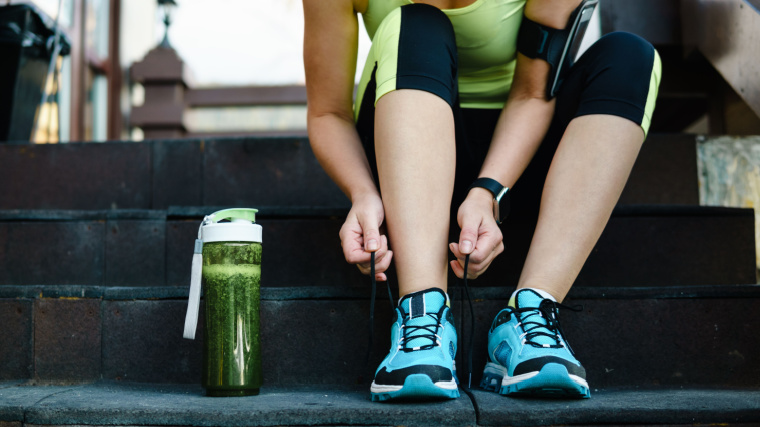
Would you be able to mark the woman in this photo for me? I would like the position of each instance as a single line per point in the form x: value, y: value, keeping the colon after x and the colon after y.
x: 446, y: 98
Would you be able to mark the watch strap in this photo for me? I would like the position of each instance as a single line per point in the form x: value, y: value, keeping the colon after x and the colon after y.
x: 489, y: 184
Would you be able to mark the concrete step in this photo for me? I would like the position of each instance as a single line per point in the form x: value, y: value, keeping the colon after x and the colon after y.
x: 246, y: 172
x: 642, y: 246
x: 698, y: 336
x: 123, y: 404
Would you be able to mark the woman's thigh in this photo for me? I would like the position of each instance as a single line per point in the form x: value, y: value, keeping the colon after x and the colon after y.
x: 413, y: 48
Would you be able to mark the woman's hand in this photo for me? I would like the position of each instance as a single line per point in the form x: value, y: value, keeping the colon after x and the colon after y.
x: 480, y: 236
x: 331, y: 34
x: 360, y: 235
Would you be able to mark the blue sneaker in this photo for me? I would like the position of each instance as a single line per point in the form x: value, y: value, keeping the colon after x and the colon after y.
x: 420, y: 364
x: 528, y: 354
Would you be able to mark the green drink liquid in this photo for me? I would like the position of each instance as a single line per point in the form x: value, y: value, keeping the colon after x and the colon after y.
x: 231, y: 347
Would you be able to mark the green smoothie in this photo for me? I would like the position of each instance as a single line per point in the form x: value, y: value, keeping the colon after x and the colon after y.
x: 232, y: 353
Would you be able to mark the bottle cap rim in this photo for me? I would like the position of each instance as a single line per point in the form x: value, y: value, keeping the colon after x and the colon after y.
x: 231, y: 232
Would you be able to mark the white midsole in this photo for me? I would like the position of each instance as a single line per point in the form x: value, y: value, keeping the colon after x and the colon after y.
x: 578, y: 380
x: 494, y: 368
x: 375, y: 388
x: 507, y: 380
x: 378, y: 388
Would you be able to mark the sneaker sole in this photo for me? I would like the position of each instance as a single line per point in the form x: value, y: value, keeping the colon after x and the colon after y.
x: 552, y: 381
x: 416, y: 387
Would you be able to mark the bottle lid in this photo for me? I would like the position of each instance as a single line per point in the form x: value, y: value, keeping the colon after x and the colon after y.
x: 241, y: 228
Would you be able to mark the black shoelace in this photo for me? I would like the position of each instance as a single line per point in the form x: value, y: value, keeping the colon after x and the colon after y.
x: 372, y: 305
x: 470, y: 347
x: 548, y: 310
x: 431, y: 329
x: 432, y: 334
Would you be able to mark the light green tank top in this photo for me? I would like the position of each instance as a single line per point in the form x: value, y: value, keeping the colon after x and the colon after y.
x: 486, y: 35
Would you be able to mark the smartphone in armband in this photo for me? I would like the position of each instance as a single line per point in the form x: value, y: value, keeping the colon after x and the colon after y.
x: 578, y: 24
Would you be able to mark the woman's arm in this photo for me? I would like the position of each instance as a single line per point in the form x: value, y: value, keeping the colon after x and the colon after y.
x: 330, y: 45
x: 522, y: 126
x: 330, y: 49
x: 527, y: 114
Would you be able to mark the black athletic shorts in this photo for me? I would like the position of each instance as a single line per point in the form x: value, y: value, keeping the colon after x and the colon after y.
x: 618, y: 75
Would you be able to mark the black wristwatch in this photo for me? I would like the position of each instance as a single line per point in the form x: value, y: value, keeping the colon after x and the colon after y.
x: 500, y: 197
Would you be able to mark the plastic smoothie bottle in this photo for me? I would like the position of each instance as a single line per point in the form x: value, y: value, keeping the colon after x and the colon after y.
x: 230, y: 274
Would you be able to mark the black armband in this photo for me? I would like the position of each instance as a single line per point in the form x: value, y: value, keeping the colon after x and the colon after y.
x: 557, y: 47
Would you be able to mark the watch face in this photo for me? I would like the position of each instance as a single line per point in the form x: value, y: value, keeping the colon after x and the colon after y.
x: 500, y: 194
x: 501, y: 206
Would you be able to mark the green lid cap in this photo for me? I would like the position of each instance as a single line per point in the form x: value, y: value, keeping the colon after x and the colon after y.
x: 233, y: 214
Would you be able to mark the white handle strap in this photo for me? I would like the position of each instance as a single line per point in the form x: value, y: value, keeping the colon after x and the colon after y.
x: 194, y: 300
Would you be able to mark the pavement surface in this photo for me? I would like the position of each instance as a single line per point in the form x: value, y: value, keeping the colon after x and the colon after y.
x: 137, y: 404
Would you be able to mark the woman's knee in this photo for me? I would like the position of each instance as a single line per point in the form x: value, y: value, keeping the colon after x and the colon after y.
x: 621, y: 76
x: 415, y: 48
x: 626, y: 45
x: 624, y: 50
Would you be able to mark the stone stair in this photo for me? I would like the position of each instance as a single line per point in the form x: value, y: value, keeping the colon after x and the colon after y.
x: 149, y: 404
x: 95, y: 247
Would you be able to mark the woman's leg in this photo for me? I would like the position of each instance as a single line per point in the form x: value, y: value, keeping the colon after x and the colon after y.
x: 600, y: 122
x: 406, y: 121
x: 412, y: 72
x: 587, y: 175
x: 611, y: 97
x: 415, y: 149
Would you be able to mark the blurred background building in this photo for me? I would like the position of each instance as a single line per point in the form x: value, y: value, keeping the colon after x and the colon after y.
x: 229, y: 50
x: 234, y: 67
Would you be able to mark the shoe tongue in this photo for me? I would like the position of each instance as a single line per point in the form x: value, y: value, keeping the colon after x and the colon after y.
x: 527, y: 298
x: 423, y: 302
x: 417, y: 306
